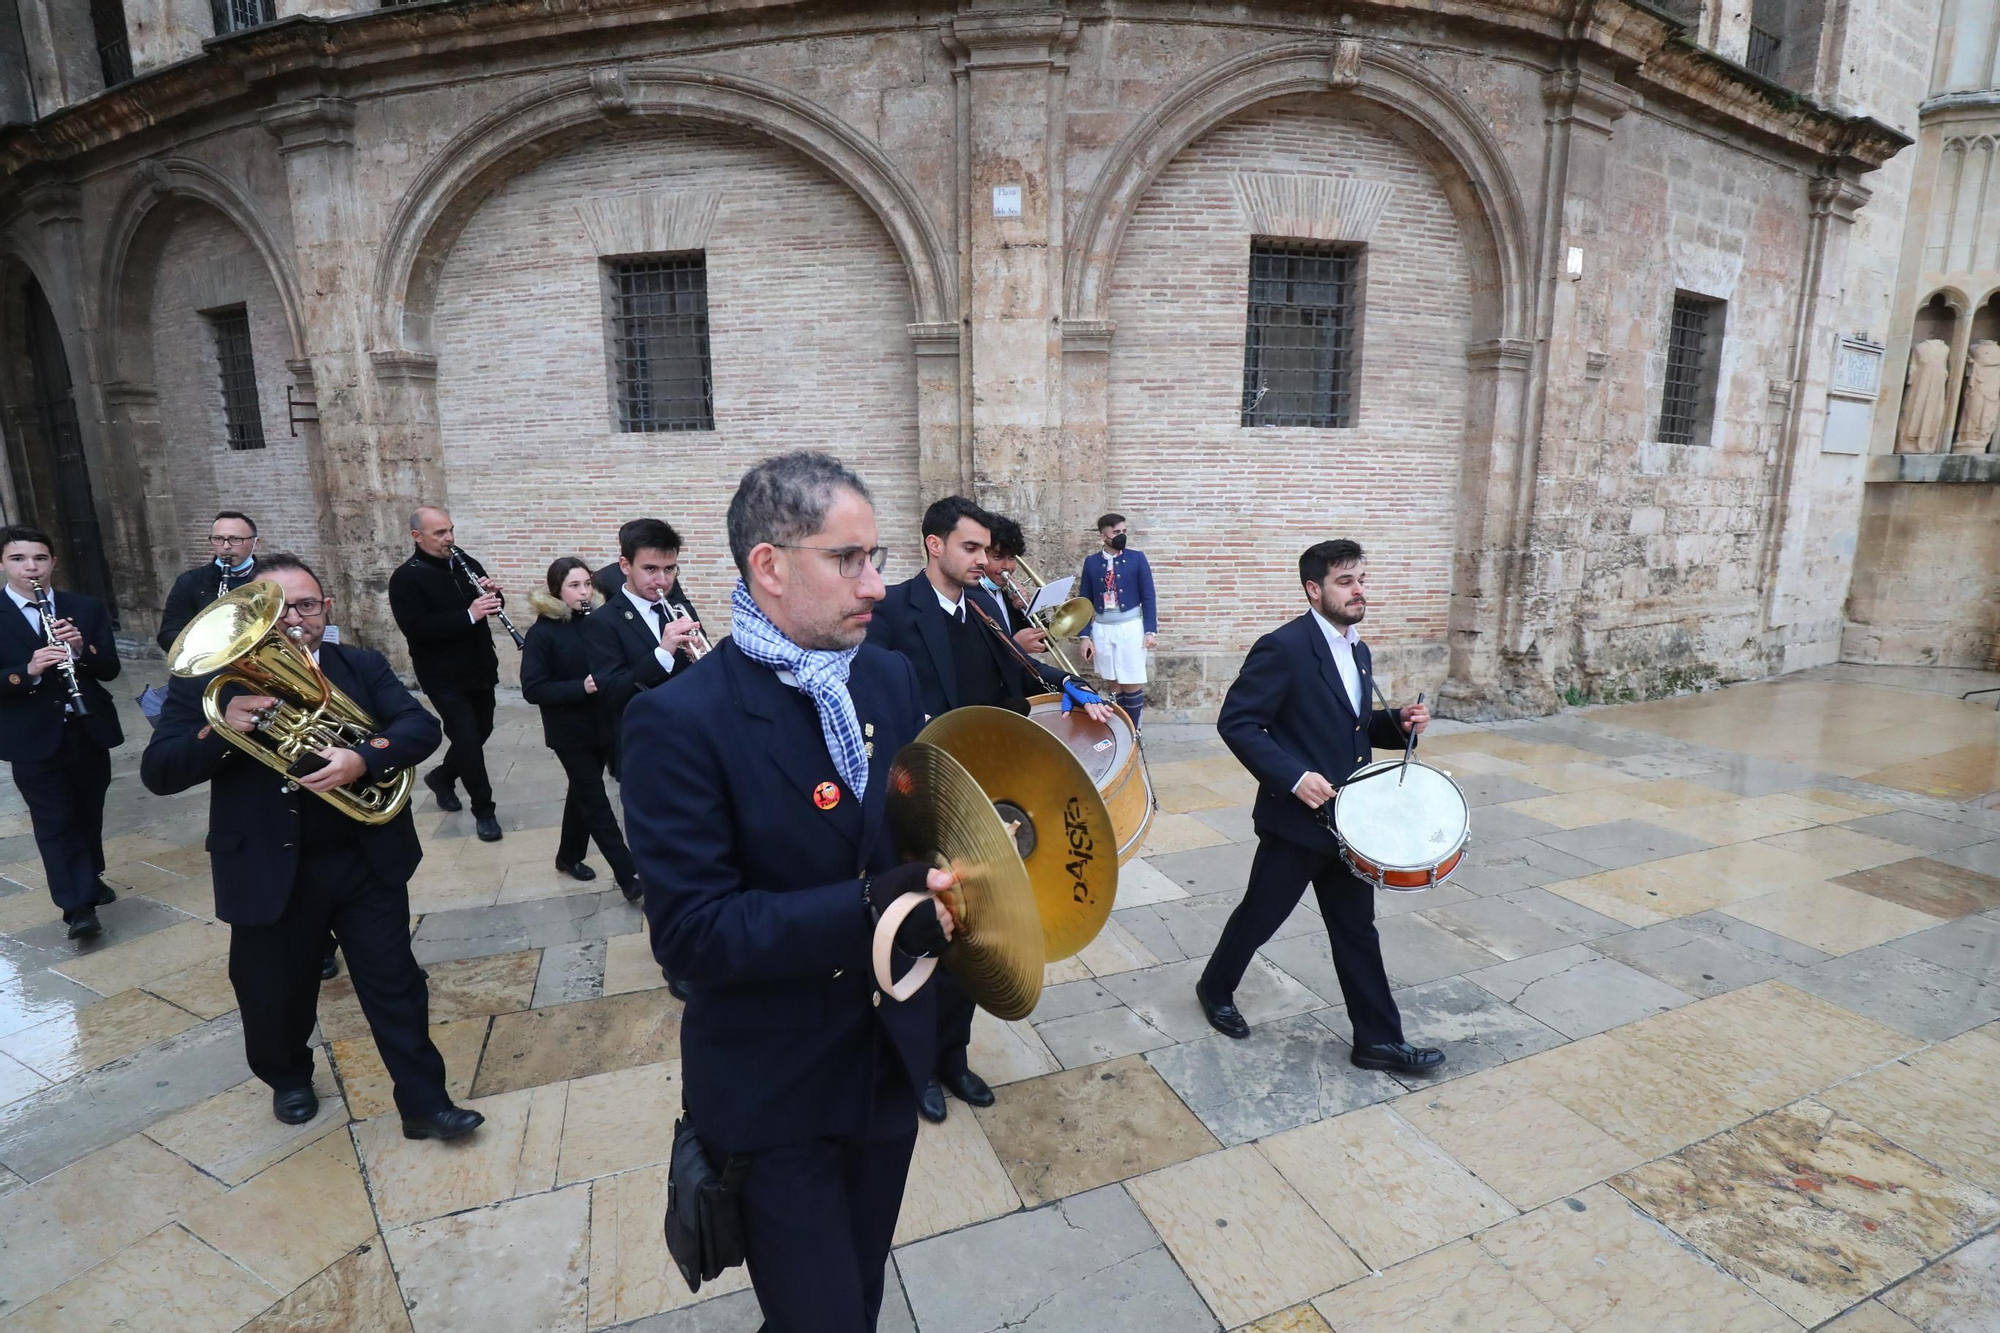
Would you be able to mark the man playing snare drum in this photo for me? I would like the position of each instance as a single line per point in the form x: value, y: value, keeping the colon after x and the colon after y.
x: 1298, y: 717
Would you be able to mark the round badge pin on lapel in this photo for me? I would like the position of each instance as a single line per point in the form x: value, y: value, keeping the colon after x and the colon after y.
x: 826, y: 795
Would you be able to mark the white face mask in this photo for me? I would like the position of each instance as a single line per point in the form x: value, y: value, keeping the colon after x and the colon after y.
x: 988, y: 584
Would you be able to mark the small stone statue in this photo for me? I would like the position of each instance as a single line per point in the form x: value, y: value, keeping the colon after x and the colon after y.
x: 1979, y: 418
x: 1922, y: 429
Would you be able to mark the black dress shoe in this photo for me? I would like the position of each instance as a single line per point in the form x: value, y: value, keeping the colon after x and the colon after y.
x: 576, y: 870
x: 447, y: 799
x: 1399, y: 1057
x: 631, y: 889
x: 969, y: 1088
x: 454, y: 1122
x: 106, y: 895
x: 85, y: 925
x: 680, y: 990
x: 294, y: 1106
x: 1223, y: 1016
x: 329, y: 966
x: 930, y: 1102
x: 487, y: 827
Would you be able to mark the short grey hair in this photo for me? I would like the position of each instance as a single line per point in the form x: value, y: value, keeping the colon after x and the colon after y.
x: 417, y: 516
x: 785, y: 498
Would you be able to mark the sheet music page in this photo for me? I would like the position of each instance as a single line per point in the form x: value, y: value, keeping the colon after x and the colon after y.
x: 1052, y: 595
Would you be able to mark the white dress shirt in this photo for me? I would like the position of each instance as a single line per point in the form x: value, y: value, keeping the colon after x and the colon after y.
x: 660, y: 655
x: 954, y: 609
x: 1341, y: 643
x: 28, y: 610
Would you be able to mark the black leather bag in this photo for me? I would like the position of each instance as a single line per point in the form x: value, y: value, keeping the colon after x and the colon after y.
x: 704, y: 1222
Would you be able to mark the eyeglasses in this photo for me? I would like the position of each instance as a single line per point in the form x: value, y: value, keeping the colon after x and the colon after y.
x: 307, y: 607
x: 850, y: 557
x: 230, y: 541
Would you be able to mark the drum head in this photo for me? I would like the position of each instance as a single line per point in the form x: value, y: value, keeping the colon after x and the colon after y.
x: 1100, y: 747
x: 1401, y: 826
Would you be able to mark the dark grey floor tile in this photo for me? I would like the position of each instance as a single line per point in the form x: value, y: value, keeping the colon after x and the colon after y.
x: 128, y: 918
x: 1924, y: 832
x: 1579, y: 992
x: 1497, y: 823
x: 570, y: 972
x: 1702, y: 964
x: 1621, y: 843
x: 1527, y: 921
x: 1520, y: 863
x: 1912, y: 994
x: 476, y: 932
x: 1983, y: 857
x: 1164, y: 996
x: 1654, y: 767
x: 28, y: 998
x: 1492, y: 789
x: 1207, y: 870
x: 1103, y: 1034
x: 1189, y: 927
x: 1415, y: 951
x: 1092, y: 1262
x: 1721, y: 925
x: 1283, y: 1075
x: 1232, y: 822
x: 1474, y: 1028
x: 1747, y: 776
x: 1072, y: 998
x: 738, y: 1313
x: 1970, y: 945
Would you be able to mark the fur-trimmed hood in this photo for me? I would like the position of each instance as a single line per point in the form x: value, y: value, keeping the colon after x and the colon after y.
x: 551, y: 607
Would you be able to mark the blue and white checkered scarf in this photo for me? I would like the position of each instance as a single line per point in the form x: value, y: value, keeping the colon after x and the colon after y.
x: 821, y: 674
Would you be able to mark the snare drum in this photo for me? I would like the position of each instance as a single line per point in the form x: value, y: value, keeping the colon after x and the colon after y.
x: 1110, y: 754
x: 1405, y: 833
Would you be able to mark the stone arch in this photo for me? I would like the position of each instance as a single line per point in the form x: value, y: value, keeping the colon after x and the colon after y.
x: 538, y: 124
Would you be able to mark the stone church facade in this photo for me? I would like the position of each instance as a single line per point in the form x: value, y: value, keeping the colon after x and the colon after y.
x: 1558, y: 306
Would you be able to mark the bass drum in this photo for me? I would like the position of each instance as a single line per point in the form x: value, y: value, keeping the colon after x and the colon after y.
x: 1109, y: 753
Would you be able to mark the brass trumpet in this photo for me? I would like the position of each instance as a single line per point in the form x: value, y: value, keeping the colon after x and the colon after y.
x: 237, y: 637
x: 1065, y: 622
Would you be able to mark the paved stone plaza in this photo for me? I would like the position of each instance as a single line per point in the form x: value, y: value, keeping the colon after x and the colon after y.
x: 1719, y: 987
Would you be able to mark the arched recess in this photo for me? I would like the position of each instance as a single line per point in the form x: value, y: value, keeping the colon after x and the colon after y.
x: 509, y: 138
x: 188, y: 472
x: 1468, y: 162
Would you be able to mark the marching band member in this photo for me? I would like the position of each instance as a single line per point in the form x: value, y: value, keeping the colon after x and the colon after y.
x: 639, y: 641
x: 1119, y: 583
x: 289, y: 867
x: 58, y: 726
x: 1009, y: 545
x: 1299, y: 718
x: 755, y: 803
x: 442, y: 607
x: 555, y: 676
x: 232, y: 544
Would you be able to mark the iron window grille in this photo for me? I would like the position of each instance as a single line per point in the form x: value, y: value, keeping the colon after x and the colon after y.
x: 1763, y: 57
x: 1302, y: 336
x: 662, y: 379
x: 1694, y: 338
x: 236, y: 15
x: 114, y: 51
x: 241, y: 414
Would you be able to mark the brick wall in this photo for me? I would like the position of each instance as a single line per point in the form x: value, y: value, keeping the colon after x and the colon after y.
x: 808, y: 311
x: 1223, y: 510
x: 205, y: 263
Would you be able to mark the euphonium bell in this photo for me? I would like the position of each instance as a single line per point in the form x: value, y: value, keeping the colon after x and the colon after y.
x: 237, y: 637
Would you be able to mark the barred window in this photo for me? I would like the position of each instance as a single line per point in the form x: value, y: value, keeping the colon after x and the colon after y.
x: 1300, y: 348
x: 241, y: 414
x: 114, y: 51
x: 236, y: 15
x: 660, y: 372
x: 1694, y: 356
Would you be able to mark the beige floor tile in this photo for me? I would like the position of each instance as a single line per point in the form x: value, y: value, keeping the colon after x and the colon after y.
x: 520, y: 1266
x: 1140, y: 885
x: 464, y: 988
x: 18, y: 1081
x: 57, y: 1227
x: 1680, y: 794
x: 1955, y: 775
x: 1736, y: 821
x: 195, y: 896
x: 631, y: 1274
x: 1579, y: 809
x: 1525, y: 1144
x: 1184, y: 798
x: 1938, y: 888
x: 1533, y: 754
x: 96, y: 1035
x: 1856, y: 807
x: 1765, y: 1045
x: 356, y: 1293
x: 1650, y: 1105
x: 1644, y: 895
x: 1115, y: 950
x: 1939, y: 1103
x: 203, y: 990
x: 233, y: 1135
x: 446, y: 888
x: 1298, y: 1319
x: 1003, y: 1053
x: 1071, y: 1131
x: 1804, y: 805
x: 1386, y: 1190
x: 28, y: 873
x: 617, y: 1121
x: 1247, y: 1241
x: 190, y: 859
x: 1830, y: 918
x: 1457, y: 1289
x: 1601, y: 1265
x: 629, y: 965
x: 1178, y: 833
x: 514, y: 1153
x: 27, y: 909
x: 1812, y: 1210
x: 565, y: 1041
x: 1841, y: 847
x: 1870, y: 1317
x: 1958, y: 1294
x: 955, y: 1180
x: 141, y: 878
x: 132, y: 963
x: 1065, y: 971
x: 366, y: 1082
x: 1746, y: 869
x: 169, y: 1280
x: 295, y: 1219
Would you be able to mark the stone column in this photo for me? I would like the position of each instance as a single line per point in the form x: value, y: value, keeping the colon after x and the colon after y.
x: 941, y: 454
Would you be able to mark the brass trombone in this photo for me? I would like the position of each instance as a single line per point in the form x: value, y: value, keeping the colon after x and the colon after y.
x: 1065, y: 622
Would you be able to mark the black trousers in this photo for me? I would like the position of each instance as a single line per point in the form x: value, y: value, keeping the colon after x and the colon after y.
x: 65, y: 798
x: 587, y: 812
x: 818, y: 1216
x: 275, y: 970
x: 954, y: 1023
x: 466, y: 713
x: 1278, y: 878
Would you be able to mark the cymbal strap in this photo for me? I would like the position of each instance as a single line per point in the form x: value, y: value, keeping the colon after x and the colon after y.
x: 885, y: 940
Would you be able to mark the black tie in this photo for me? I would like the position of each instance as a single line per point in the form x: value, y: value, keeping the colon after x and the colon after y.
x: 660, y: 610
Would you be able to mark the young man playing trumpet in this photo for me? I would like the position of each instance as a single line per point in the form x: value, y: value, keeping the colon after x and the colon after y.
x: 646, y: 632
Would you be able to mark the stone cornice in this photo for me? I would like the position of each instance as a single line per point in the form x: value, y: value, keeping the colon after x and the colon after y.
x: 298, y: 55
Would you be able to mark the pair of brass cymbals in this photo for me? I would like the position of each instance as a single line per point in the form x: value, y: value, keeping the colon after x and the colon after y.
x: 1008, y: 808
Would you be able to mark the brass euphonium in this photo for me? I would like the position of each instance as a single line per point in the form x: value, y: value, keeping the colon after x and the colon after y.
x: 238, y: 637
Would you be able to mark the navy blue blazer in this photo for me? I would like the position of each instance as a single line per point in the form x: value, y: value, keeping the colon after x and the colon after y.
x: 253, y: 822
x: 908, y: 621
x: 753, y: 895
x: 621, y: 646
x: 1287, y: 714
x: 31, y: 711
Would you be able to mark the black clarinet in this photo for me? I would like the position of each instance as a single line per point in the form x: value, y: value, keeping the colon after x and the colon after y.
x: 458, y: 558
x: 68, y: 664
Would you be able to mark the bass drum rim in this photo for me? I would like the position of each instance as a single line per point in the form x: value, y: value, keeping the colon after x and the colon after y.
x: 1128, y: 848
